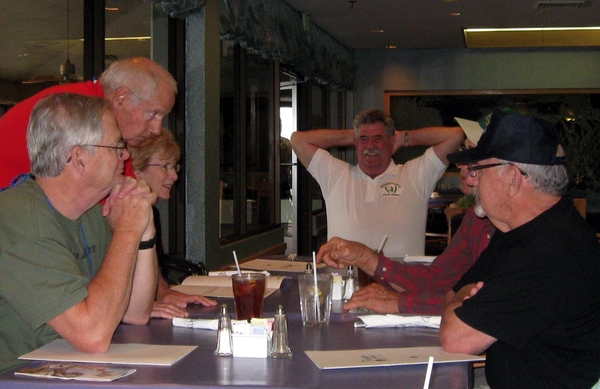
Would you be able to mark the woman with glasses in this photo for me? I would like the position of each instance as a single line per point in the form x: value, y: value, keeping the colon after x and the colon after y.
x: 156, y: 162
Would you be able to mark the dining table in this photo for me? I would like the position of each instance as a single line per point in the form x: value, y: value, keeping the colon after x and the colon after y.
x: 202, y: 369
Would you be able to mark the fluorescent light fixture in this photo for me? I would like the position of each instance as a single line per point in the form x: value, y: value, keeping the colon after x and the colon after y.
x: 532, y: 37
x: 130, y: 38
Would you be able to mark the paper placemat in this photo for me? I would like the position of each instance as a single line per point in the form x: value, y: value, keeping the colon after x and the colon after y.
x: 277, y: 265
x: 352, y: 359
x: 124, y: 354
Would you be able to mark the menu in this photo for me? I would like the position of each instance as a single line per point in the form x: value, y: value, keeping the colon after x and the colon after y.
x: 74, y: 371
x: 348, y: 359
x: 220, y: 286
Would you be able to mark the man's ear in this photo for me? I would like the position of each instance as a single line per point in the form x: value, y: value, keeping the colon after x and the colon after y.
x: 78, y: 159
x: 515, y: 180
x: 121, y: 95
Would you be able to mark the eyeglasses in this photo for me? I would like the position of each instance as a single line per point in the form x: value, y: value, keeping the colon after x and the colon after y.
x: 168, y: 166
x: 472, y: 167
x: 120, y: 147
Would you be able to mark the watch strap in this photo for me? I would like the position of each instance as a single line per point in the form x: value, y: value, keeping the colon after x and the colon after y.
x: 147, y: 244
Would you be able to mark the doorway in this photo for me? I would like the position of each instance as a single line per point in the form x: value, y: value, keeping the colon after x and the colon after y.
x: 288, y: 165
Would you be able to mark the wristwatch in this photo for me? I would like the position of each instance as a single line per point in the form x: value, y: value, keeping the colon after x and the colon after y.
x: 147, y: 244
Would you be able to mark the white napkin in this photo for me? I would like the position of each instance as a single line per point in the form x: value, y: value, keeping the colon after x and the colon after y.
x: 390, y: 321
x: 203, y: 324
x: 418, y: 259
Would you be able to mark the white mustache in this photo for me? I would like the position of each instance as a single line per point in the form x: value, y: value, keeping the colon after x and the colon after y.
x: 376, y: 151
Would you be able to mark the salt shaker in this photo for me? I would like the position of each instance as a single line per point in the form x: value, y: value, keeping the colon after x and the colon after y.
x: 349, y: 286
x: 309, y: 268
x: 279, y: 345
x: 224, y: 339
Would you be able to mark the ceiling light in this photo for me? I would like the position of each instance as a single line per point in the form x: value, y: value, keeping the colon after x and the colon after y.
x: 111, y: 8
x: 532, y: 37
x: 377, y: 31
x: 130, y: 38
x: 454, y: 13
x: 562, y: 4
x: 388, y: 46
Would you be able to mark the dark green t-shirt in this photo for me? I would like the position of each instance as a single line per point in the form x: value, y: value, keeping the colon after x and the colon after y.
x: 44, y: 269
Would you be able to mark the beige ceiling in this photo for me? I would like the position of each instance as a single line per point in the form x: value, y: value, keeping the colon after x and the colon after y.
x: 32, y: 41
x: 430, y: 24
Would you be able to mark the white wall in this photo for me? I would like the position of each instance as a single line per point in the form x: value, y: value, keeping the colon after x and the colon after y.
x: 464, y: 69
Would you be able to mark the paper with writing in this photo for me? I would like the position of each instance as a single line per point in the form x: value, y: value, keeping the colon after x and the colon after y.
x: 220, y: 286
x: 74, y: 371
x: 277, y: 265
x: 351, y: 359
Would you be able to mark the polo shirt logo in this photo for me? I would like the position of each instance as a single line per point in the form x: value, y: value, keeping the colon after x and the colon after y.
x: 390, y: 189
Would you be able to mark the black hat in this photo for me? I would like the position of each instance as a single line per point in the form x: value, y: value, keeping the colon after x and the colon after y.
x: 515, y: 138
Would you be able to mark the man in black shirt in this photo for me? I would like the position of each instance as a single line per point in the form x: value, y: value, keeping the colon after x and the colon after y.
x: 532, y: 299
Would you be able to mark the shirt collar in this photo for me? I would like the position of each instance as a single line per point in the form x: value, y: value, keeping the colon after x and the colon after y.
x: 391, y: 170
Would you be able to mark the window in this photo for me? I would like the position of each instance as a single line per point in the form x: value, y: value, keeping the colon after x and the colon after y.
x: 248, y: 196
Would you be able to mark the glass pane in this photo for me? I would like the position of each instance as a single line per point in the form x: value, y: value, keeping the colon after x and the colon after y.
x: 259, y: 145
x: 318, y: 120
x: 229, y: 156
x: 42, y: 35
x: 128, y: 29
x: 287, y: 114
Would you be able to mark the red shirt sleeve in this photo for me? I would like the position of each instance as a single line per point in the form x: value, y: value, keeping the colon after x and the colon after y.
x: 425, y: 286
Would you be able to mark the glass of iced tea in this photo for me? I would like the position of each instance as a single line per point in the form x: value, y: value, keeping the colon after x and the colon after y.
x: 248, y: 294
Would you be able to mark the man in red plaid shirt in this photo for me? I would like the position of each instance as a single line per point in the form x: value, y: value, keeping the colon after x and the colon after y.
x: 411, y: 287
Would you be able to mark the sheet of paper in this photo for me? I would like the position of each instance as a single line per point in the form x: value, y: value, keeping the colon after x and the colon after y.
x: 124, y: 354
x: 351, y: 359
x: 220, y: 286
x: 277, y: 265
x: 74, y: 371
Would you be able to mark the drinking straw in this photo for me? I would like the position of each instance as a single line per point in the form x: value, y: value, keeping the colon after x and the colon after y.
x: 237, y: 264
x: 428, y: 373
x: 382, y: 243
x: 314, y: 258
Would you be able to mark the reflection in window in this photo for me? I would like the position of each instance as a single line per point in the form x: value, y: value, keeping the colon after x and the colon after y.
x: 247, y: 137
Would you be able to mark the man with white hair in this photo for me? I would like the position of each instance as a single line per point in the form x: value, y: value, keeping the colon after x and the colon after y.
x: 532, y: 299
x: 65, y: 270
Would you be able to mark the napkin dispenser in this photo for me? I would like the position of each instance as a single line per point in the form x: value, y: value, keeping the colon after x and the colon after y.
x: 252, y: 340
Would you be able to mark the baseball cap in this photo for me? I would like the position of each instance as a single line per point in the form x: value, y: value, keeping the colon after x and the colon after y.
x: 516, y: 138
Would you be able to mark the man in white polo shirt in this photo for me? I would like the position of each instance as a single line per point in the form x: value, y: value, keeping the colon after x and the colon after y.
x: 377, y: 197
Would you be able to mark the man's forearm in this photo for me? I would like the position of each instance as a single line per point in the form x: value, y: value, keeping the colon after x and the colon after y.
x: 144, y: 288
x: 431, y: 136
x: 444, y: 140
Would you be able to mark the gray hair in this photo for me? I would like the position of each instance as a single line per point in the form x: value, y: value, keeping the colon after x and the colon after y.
x: 549, y: 179
x: 141, y: 75
x: 58, y: 123
x: 374, y: 116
